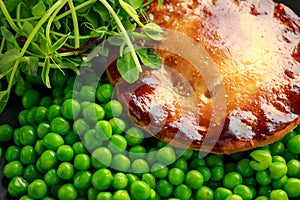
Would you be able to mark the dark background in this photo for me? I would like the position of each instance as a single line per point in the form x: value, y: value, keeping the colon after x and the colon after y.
x: 10, y: 114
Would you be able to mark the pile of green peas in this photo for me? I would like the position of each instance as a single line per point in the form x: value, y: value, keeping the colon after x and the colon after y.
x: 75, y: 142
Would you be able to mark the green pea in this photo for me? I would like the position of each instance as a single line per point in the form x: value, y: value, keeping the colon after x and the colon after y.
x: 60, y: 125
x: 22, y: 117
x: 159, y: 170
x: 80, y: 126
x: 151, y: 155
x: 262, y: 198
x: 45, y: 101
x: 117, y: 144
x: 57, y: 92
x: 40, y: 114
x: 222, y: 193
x: 82, y: 180
x: 104, y: 196
x: 279, y: 183
x: 53, y: 141
x: 102, y: 179
x: 67, y: 192
x: 119, y: 181
x: 292, y: 187
x: 92, y: 193
x: 181, y: 163
x: 278, y: 194
x: 82, y: 162
x: 134, y: 136
x: 264, y: 190
x: 65, y: 153
x: 288, y: 136
x: 71, y: 137
x: 164, y: 188
x: 261, y: 159
x: 91, y: 141
x: 59, y: 78
x: 137, y: 152
x: 17, y: 136
x: 17, y: 187
x: 104, y: 92
x: 205, y: 172
x: 118, y: 125
x: 35, y: 79
x: 196, y: 162
x: 204, y: 193
x: 288, y: 155
x: 121, y: 194
x: 103, y: 130
x: 244, y: 168
x: 232, y: 179
x: 293, y: 167
x: 93, y: 112
x: 101, y: 158
x: 65, y: 171
x: 12, y: 153
x: 230, y: 167
x: 28, y: 155
x: 39, y: 147
x: 131, y: 178
x: 234, y: 197
x: 78, y: 147
x: 47, y: 160
x: 263, y: 177
x: 243, y: 191
x: 213, y: 160
x: 217, y: 173
x: 27, y: 135
x: 42, y: 129
x: 87, y: 93
x: 278, y: 158
x: 26, y: 197
x: 250, y: 181
x: 21, y: 87
x: 139, y: 166
x: 13, y: 169
x: 176, y: 176
x: 113, y: 108
x: 31, y: 116
x: 194, y: 179
x: 37, y: 189
x: 166, y: 155
x: 51, y: 177
x: 53, y: 112
x: 293, y: 144
x: 70, y: 109
x: 182, y: 192
x: 149, y: 179
x: 277, y: 148
x: 277, y: 170
x: 31, y: 98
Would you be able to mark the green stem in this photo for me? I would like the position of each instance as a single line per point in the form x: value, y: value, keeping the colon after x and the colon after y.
x: 18, y: 15
x: 124, y: 33
x: 2, y: 45
x: 133, y: 16
x: 8, y: 17
x: 75, y: 24
x: 72, y: 37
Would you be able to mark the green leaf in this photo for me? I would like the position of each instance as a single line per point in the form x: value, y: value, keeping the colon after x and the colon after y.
x: 153, y: 31
x: 149, y: 58
x: 160, y: 3
x: 38, y: 9
x: 34, y: 48
x: 29, y: 65
x: 27, y: 28
x: 59, y: 43
x: 11, y: 4
x: 102, y: 11
x: 4, y: 95
x: 25, y: 11
x: 45, y: 72
x: 8, y: 60
x: 116, y: 40
x: 127, y: 68
x: 9, y: 37
x: 135, y: 3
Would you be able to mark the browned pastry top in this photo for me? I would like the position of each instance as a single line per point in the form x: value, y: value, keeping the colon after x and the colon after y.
x: 255, y: 47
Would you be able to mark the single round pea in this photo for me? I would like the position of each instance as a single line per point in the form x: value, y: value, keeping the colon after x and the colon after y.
x: 264, y: 190
x: 22, y: 117
x: 293, y: 167
x: 182, y: 192
x: 26, y: 197
x: 71, y: 137
x: 149, y: 179
x: 65, y: 153
x: 181, y: 163
x: 104, y: 196
x: 113, y: 108
x: 40, y: 114
x: 21, y: 87
x: 82, y: 162
x: 28, y: 155
x: 118, y: 125
x: 60, y: 125
x: 59, y: 78
x: 45, y: 101
x: 103, y: 130
x: 134, y: 136
x: 244, y: 168
x: 288, y: 155
x: 205, y: 172
x: 278, y: 194
x: 87, y: 93
x: 277, y: 170
x: 53, y: 141
x: 261, y: 159
x: 194, y: 179
x: 288, y: 136
x: 82, y: 179
x: 277, y: 148
x: 58, y: 100
x: 232, y: 179
x: 37, y: 189
x: 27, y: 135
x: 159, y: 170
x: 263, y: 177
x: 137, y: 152
x: 42, y: 129
x: 39, y: 147
x: 104, y: 92
x: 166, y: 155
x: 70, y: 109
x: 176, y: 176
x: 279, y: 183
x: 217, y: 173
x: 234, y: 197
x: 119, y: 181
x: 120, y: 162
x: 204, y: 193
x: 93, y: 112
x: 250, y: 181
x: 278, y: 158
x: 117, y: 144
x: 164, y: 188
x: 53, y: 112
x: 65, y: 171
x: 90, y: 140
x: 67, y: 192
x: 31, y: 116
x: 222, y: 193
x: 213, y: 160
x: 80, y: 126
x: 13, y: 169
x: 92, y: 193
x: 262, y: 198
x: 12, y: 153
x: 292, y: 187
x: 243, y: 191
x: 17, y: 136
x: 17, y: 186
x: 6, y: 132
x: 47, y: 160
x: 102, y: 179
x: 31, y: 98
x: 101, y: 158
x: 51, y: 177
x: 78, y: 147
x: 121, y: 194
x: 293, y: 144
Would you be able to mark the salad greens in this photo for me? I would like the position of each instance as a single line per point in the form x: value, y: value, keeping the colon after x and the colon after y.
x: 38, y: 35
